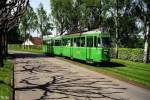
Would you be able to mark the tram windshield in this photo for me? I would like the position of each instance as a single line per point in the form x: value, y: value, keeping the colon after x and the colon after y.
x: 106, y: 42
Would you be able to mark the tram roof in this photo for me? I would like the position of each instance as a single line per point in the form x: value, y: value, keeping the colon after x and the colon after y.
x: 47, y: 37
x: 89, y: 33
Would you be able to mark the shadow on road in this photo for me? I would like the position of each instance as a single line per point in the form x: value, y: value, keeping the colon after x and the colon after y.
x: 100, y: 64
x: 63, y: 83
x: 110, y: 64
x: 78, y: 88
x: 27, y: 55
x: 33, y: 55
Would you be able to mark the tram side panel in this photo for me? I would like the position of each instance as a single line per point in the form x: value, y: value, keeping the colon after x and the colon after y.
x: 79, y: 53
x: 66, y: 51
x: 44, y: 48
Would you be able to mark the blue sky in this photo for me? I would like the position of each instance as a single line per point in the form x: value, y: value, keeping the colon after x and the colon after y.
x: 46, y: 4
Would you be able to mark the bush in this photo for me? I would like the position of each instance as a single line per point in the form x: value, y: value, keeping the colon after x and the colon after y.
x: 132, y: 54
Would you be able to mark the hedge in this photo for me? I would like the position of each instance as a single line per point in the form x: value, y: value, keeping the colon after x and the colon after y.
x: 131, y: 54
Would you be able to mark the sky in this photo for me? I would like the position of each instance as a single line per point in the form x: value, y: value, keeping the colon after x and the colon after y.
x: 46, y: 4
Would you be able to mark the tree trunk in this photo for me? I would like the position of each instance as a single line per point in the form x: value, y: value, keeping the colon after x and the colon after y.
x: 116, y: 30
x: 4, y: 45
x: 146, y: 44
x: 116, y: 36
x: 116, y: 50
x: 1, y: 50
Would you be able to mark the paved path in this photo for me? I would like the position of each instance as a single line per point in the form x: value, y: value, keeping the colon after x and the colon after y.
x: 46, y: 78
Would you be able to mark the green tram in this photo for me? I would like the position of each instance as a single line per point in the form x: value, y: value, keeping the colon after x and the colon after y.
x: 89, y: 46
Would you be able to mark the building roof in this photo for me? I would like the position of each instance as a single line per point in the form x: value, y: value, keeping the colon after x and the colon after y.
x: 33, y: 41
x: 27, y: 42
x: 36, y: 40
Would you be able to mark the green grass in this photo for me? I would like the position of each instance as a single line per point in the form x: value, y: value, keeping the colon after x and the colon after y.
x: 27, y: 50
x: 126, y: 70
x: 19, y: 47
x: 132, y: 72
x: 6, y: 80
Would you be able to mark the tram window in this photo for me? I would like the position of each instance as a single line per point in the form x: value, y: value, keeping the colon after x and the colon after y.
x: 66, y: 42
x: 57, y: 42
x: 98, y: 42
x: 106, y: 42
x: 82, y: 41
x: 95, y: 41
x: 89, y: 41
x: 50, y: 42
x: 72, y: 42
x: 76, y: 42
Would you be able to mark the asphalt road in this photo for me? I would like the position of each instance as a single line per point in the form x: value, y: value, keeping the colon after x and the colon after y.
x: 38, y: 77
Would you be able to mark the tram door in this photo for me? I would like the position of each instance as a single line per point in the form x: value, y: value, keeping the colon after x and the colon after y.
x: 50, y: 47
x: 89, y: 44
x: 71, y: 48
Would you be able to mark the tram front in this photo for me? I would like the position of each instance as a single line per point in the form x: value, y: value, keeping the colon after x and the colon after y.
x: 105, y: 43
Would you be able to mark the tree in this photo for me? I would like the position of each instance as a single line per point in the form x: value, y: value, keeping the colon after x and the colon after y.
x: 73, y: 16
x: 28, y: 23
x: 141, y: 10
x: 44, y: 24
x: 120, y: 23
x: 60, y: 11
x: 10, y: 13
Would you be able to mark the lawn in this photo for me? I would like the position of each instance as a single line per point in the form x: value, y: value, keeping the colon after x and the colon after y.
x: 29, y: 50
x: 20, y: 48
x: 6, y: 80
x: 132, y: 72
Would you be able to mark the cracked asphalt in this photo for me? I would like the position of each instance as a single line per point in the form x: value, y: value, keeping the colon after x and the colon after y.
x: 37, y: 77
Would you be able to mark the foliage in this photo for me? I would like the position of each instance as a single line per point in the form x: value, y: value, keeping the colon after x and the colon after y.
x: 10, y: 13
x: 76, y: 15
x: 131, y: 54
x: 14, y: 36
x: 44, y: 24
x: 141, y: 10
x: 6, y: 80
x: 28, y: 22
